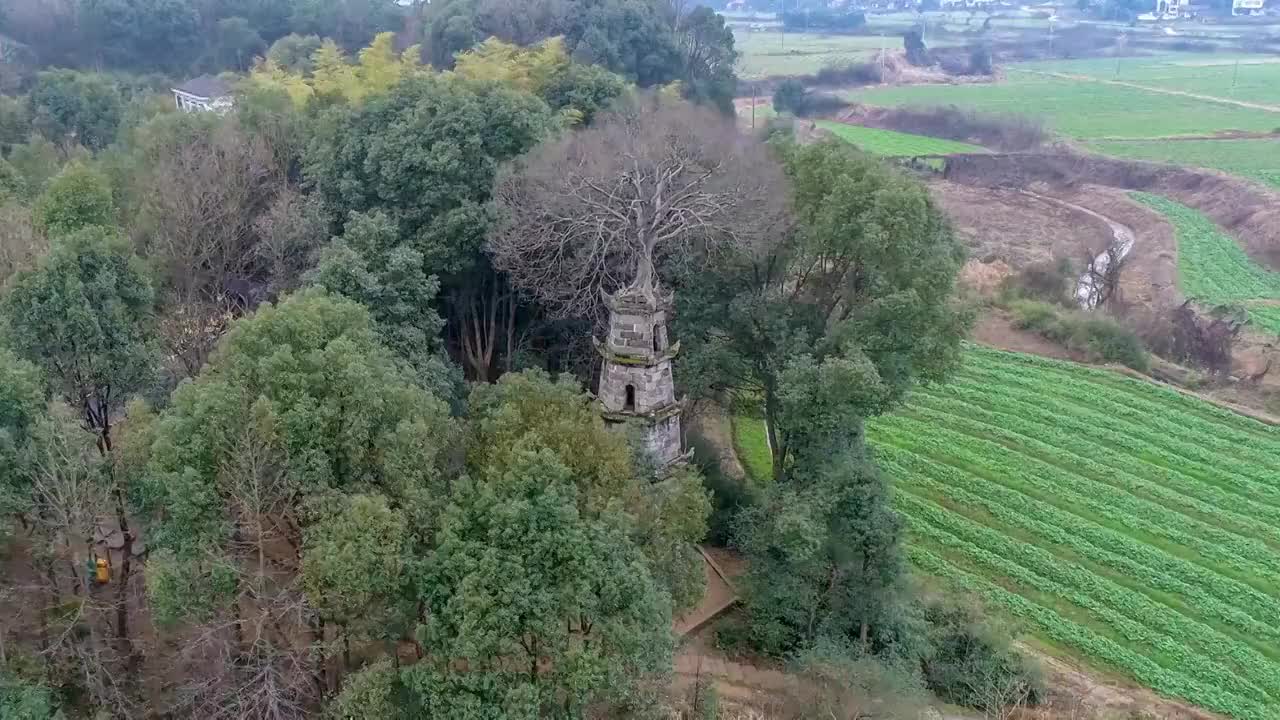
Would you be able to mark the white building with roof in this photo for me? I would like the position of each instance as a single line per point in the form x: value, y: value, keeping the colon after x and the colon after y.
x: 203, y: 94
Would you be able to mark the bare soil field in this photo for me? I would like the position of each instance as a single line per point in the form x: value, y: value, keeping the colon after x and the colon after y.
x: 1008, y: 225
x: 1250, y: 212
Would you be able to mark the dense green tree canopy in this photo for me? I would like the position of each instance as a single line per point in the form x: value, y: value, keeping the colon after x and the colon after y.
x: 645, y: 41
x: 825, y: 557
x: 426, y: 155
x: 22, y: 403
x: 838, y: 317
x: 85, y: 317
x: 78, y: 197
x: 234, y: 45
x: 530, y: 411
x: 74, y: 107
x: 345, y: 416
x: 552, y: 609
x: 141, y: 33
x: 370, y: 265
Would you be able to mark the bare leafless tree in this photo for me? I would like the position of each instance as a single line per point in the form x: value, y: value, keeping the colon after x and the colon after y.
x: 216, y: 215
x: 591, y: 210
x: 999, y: 693
x: 69, y: 519
x: 1208, y: 342
x: 288, y: 233
x: 198, y: 203
x: 1100, y: 284
x: 259, y: 657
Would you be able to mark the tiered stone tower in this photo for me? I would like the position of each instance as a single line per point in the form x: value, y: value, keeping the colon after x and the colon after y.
x: 636, y: 382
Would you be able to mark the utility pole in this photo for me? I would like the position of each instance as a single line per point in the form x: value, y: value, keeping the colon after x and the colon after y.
x: 882, y: 52
x: 753, y: 107
x: 784, y: 25
x: 1235, y: 75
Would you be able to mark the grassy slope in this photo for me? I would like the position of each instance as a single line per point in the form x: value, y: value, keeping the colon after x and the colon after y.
x: 892, y: 143
x: 1211, y: 266
x: 1124, y: 523
x: 751, y: 442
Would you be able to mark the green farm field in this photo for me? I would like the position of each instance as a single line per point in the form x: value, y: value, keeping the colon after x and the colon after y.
x: 1251, y: 78
x: 895, y: 144
x: 765, y: 54
x: 1081, y: 109
x: 1254, y: 158
x: 1125, y: 524
x: 1212, y: 268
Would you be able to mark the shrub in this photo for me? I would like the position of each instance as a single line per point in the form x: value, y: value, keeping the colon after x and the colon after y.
x: 1097, y: 336
x: 848, y: 73
x: 973, y: 660
x: 1003, y: 131
x: 790, y: 96
x: 1034, y: 315
x: 1051, y: 281
x: 838, y: 681
x: 913, y: 43
x: 1105, y: 338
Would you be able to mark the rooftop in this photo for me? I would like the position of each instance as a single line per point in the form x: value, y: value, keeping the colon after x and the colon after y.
x: 205, y: 86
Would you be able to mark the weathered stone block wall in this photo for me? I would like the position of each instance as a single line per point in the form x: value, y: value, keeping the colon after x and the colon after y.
x: 654, y: 386
x: 664, y: 439
x: 633, y: 334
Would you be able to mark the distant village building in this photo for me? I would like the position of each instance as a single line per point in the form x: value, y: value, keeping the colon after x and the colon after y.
x: 735, y: 16
x: 203, y: 94
x: 1247, y: 7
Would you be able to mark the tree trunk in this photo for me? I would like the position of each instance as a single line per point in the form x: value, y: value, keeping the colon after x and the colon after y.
x: 771, y: 412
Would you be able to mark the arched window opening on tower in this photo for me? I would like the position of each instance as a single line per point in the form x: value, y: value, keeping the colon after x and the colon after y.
x: 656, y: 346
x: 630, y: 405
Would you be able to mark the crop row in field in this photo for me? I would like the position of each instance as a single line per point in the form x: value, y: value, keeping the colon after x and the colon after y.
x: 891, y: 143
x: 1213, y: 269
x: 1255, y: 158
x: 1124, y: 522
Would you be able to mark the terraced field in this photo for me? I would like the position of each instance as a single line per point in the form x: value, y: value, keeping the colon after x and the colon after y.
x: 1214, y: 270
x: 895, y: 144
x: 1124, y: 523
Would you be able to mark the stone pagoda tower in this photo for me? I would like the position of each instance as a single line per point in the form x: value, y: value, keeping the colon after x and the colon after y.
x: 636, y: 382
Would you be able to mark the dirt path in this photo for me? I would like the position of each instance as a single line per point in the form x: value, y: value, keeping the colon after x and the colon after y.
x: 718, y: 597
x: 1105, y: 695
x: 1161, y: 91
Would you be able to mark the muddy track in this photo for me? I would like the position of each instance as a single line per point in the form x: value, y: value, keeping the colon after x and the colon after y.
x: 1122, y: 239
